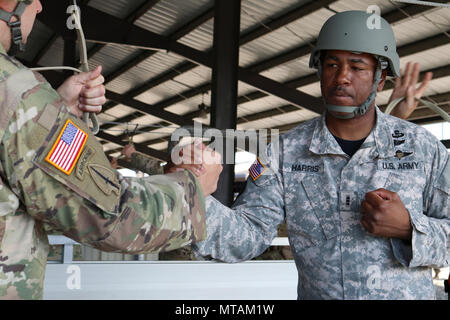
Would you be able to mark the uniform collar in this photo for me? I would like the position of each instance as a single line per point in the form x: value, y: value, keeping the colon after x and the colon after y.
x: 379, y: 140
x: 322, y: 141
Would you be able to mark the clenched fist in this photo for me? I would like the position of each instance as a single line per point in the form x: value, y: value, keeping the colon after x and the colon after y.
x: 84, y: 92
x: 385, y: 215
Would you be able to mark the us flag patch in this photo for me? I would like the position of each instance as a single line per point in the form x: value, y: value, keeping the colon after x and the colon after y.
x: 67, y: 148
x: 257, y: 169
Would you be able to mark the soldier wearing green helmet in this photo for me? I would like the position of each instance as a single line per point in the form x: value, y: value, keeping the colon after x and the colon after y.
x: 365, y: 195
x: 339, y: 33
x: 55, y: 177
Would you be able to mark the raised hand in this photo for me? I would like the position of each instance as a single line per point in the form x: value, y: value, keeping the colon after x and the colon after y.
x: 128, y: 151
x: 406, y: 86
x: 84, y: 92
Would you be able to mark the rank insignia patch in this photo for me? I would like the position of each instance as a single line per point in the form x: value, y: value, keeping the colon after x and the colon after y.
x: 257, y: 169
x: 67, y: 148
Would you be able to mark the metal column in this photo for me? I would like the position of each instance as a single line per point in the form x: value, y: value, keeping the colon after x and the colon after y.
x: 70, y: 56
x: 225, y: 82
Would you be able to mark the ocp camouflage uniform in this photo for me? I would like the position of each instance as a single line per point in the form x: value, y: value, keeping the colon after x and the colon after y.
x: 146, y: 164
x: 93, y: 205
x: 151, y: 166
x: 319, y: 190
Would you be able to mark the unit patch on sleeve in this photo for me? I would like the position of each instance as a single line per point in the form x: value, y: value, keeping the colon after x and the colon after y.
x: 67, y: 148
x: 257, y: 169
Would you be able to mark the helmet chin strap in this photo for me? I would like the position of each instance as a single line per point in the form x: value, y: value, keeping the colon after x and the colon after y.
x: 353, y: 111
x: 17, y: 45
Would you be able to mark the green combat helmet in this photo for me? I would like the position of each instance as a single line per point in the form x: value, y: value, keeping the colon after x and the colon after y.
x: 353, y: 31
x: 16, y: 34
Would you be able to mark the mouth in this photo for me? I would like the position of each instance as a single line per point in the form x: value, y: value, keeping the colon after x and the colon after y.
x: 341, y: 94
x: 340, y: 97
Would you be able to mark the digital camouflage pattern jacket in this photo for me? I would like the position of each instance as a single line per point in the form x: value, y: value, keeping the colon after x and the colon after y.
x: 319, y: 190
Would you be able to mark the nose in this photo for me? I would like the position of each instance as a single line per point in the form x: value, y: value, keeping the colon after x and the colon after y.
x: 343, y: 75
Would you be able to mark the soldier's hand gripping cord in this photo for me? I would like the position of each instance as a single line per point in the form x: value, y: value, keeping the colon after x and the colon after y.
x: 385, y: 215
x: 84, y: 92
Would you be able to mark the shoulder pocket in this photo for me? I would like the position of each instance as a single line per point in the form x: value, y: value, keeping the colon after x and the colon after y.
x: 72, y: 155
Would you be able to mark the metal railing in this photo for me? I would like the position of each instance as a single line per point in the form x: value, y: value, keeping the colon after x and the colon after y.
x: 68, y: 247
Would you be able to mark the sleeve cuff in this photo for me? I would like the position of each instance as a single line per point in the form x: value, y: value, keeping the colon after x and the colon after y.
x: 413, y: 253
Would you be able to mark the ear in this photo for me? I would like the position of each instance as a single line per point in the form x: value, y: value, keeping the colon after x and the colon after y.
x: 383, y: 80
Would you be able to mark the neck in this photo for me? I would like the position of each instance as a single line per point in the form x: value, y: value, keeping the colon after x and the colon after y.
x: 352, y: 129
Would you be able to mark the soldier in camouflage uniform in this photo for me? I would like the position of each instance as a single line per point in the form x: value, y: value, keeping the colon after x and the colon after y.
x: 367, y: 223
x: 77, y: 194
x: 140, y: 162
x: 152, y: 166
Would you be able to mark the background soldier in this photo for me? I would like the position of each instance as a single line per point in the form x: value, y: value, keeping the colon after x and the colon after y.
x: 54, y: 176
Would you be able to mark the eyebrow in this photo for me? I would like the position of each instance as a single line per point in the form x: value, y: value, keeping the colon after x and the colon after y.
x: 355, y: 60
x: 359, y: 61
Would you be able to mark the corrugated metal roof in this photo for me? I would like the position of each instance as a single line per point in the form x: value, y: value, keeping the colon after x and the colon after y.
x: 167, y: 16
x: 118, y: 8
x: 256, y: 13
x: 301, y: 31
x: 422, y: 26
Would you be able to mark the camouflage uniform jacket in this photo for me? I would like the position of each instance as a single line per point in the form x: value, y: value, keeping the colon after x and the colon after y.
x: 146, y: 164
x: 319, y: 190
x: 91, y: 204
x: 151, y: 166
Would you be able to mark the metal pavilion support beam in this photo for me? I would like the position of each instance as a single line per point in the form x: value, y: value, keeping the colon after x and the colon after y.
x: 131, y: 18
x: 56, y: 78
x: 52, y: 39
x: 391, y: 17
x: 285, y: 19
x: 148, y: 109
x: 69, y: 58
x: 227, y: 16
x: 394, y: 16
x: 408, y: 49
x: 145, y: 54
x: 275, y: 23
x: 139, y: 147
x: 438, y: 73
x: 114, y: 30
